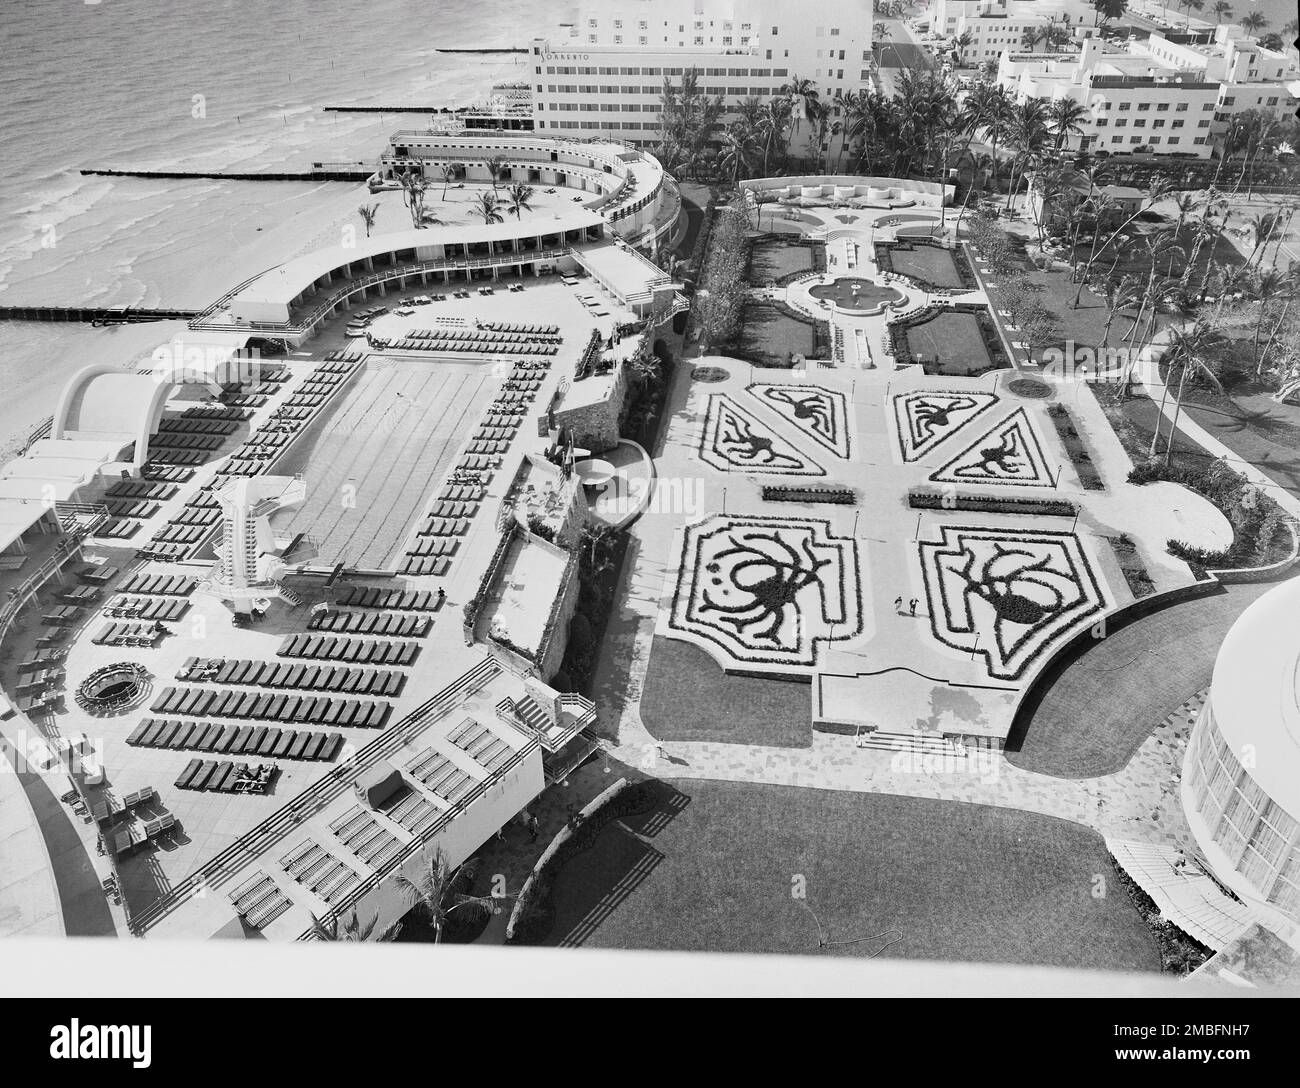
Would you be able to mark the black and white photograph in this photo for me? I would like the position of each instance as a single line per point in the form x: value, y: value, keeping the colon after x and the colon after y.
x: 650, y: 499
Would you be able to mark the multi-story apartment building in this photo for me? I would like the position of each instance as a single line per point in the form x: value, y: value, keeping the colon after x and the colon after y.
x: 985, y: 29
x: 1160, y: 95
x: 606, y: 79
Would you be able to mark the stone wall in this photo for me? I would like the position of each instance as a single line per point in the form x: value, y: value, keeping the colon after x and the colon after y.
x: 594, y: 425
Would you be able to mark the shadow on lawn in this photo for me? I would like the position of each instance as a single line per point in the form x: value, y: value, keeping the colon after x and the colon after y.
x: 594, y: 883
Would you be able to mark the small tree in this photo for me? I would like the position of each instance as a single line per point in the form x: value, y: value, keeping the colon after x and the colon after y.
x: 368, y: 212
x: 488, y: 208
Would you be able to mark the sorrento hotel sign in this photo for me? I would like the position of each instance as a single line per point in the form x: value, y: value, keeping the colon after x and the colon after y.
x: 565, y: 56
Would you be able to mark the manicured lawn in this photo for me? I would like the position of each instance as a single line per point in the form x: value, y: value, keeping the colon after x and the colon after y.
x: 1097, y: 711
x: 1255, y: 427
x: 931, y: 263
x: 949, y: 343
x: 776, y: 256
x: 688, y: 697
x: 771, y: 336
x: 922, y: 879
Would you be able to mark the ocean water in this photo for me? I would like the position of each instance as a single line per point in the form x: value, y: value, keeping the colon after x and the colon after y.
x: 198, y: 85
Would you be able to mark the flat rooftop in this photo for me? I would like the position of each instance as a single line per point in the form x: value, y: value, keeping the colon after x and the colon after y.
x: 520, y: 602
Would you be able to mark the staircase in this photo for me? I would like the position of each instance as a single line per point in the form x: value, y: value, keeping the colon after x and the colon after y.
x: 951, y: 754
x: 532, y: 714
x: 292, y: 599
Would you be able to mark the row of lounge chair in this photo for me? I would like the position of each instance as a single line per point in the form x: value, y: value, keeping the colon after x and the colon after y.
x: 193, y: 424
x: 226, y: 776
x: 371, y: 623
x: 400, y: 600
x: 254, y: 740
x: 170, y: 585
x: 183, y: 440
x: 363, y: 651
x: 129, y: 634
x: 167, y: 609
x: 172, y: 474
x: 482, y: 347
x: 259, y: 706
x: 339, y: 356
x: 515, y: 326
x: 364, y: 836
x: 284, y: 676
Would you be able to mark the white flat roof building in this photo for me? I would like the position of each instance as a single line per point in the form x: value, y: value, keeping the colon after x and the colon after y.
x: 607, y: 76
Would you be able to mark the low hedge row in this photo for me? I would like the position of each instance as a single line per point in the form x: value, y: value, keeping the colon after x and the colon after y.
x: 845, y: 496
x: 921, y: 499
x: 1080, y: 458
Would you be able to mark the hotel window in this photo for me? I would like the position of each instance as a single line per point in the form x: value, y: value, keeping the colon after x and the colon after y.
x: 1180, y: 107
x: 726, y: 41
x: 746, y: 26
x: 1154, y: 140
x: 618, y: 39
x: 643, y: 25
x: 774, y: 29
x: 1122, y: 123
x: 841, y: 54
x: 1135, y: 139
x: 1117, y: 139
x: 1141, y: 122
x: 1230, y: 100
x: 1143, y: 107
x: 1203, y: 124
x: 1102, y: 122
x: 591, y: 38
x: 839, y: 73
x: 1177, y: 124
x: 1158, y: 123
x: 1162, y: 107
x: 642, y: 40
x: 1272, y: 101
x: 618, y: 24
x: 699, y: 26
x: 1199, y: 140
x: 699, y: 40
x: 1125, y: 106
x: 835, y: 32
x: 591, y: 22
x: 866, y: 75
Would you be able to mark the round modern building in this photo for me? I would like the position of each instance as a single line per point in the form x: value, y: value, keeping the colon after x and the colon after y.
x: 1241, y: 774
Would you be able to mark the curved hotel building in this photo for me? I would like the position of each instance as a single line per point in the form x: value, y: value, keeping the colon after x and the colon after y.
x: 1241, y: 775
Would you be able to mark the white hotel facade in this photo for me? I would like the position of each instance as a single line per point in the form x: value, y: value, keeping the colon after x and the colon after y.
x: 606, y: 78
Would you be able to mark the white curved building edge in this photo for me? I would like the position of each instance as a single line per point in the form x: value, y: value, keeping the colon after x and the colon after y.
x: 1241, y: 774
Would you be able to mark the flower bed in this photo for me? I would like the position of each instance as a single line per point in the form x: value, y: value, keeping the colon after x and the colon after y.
x: 845, y: 496
x: 1007, y: 594
x: 1130, y: 562
x: 767, y: 338
x: 924, y: 499
x: 1080, y: 458
x: 765, y: 590
x: 1261, y: 531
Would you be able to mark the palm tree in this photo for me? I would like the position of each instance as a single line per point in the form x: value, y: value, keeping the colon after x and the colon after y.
x: 1063, y: 119
x: 733, y: 156
x: 1265, y: 285
x: 496, y: 165
x: 1220, y: 9
x: 413, y: 189
x: 802, y: 94
x: 487, y: 208
x: 1157, y: 192
x: 520, y: 195
x: 1253, y: 22
x: 1261, y: 229
x: 1119, y: 293
x: 1188, y: 349
x: 332, y: 928
x: 368, y: 213
x: 450, y: 172
x: 1189, y: 6
x: 1108, y: 10
x: 1028, y: 125
x: 434, y: 895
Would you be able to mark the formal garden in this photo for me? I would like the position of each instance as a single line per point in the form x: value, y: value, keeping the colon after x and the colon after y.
x: 765, y: 591
x: 1007, y: 594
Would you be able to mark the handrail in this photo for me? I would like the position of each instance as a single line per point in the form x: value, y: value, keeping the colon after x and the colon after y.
x: 391, y: 272
x: 419, y: 841
x: 316, y: 796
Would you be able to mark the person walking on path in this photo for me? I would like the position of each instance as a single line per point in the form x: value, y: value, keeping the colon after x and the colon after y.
x: 898, y: 604
x: 532, y: 827
x: 911, y: 605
